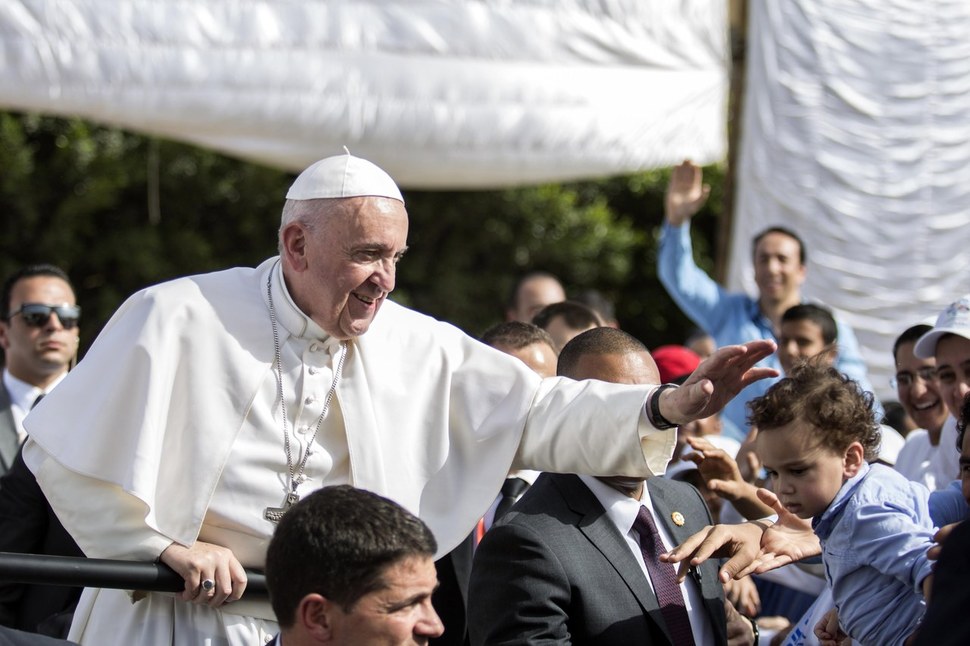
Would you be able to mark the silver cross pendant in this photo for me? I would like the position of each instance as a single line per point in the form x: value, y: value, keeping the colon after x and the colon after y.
x: 273, y: 514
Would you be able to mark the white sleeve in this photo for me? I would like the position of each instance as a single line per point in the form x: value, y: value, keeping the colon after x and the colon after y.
x: 103, y: 520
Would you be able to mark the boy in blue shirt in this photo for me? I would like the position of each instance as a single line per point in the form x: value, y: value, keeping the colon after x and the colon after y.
x: 817, y: 435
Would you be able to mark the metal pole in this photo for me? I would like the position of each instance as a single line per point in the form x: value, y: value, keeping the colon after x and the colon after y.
x: 104, y: 573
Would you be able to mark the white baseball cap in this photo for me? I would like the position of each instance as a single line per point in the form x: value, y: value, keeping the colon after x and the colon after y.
x: 955, y: 319
x: 343, y: 176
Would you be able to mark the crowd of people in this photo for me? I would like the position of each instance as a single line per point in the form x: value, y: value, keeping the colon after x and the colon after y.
x: 552, y: 481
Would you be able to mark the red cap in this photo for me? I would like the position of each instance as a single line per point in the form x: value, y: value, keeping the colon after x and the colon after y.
x: 675, y: 361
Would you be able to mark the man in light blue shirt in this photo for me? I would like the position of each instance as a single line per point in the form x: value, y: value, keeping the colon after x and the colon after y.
x: 733, y: 317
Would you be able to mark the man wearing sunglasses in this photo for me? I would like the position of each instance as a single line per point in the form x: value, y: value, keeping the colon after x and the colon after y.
x: 39, y: 336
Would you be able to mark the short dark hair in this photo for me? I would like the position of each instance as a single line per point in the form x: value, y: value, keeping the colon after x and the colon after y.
x: 910, y: 335
x: 338, y: 542
x: 576, y: 315
x: 513, y: 299
x: 963, y: 421
x: 599, y: 340
x: 516, y: 335
x: 29, y: 271
x: 598, y: 302
x: 820, y: 316
x: 785, y: 232
x: 822, y: 396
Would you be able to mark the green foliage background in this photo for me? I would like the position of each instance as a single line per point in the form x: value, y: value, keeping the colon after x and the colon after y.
x: 120, y: 211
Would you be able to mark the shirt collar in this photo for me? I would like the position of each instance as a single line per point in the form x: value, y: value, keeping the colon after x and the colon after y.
x: 288, y: 315
x: 23, y: 394
x: 621, y: 509
x: 823, y: 524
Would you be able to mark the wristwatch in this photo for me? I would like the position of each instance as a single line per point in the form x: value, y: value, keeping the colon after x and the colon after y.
x: 653, y: 411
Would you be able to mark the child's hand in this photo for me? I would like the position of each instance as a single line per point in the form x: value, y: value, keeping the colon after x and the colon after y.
x: 940, y: 536
x: 828, y: 632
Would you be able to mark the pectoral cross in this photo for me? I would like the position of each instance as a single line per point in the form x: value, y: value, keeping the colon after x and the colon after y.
x: 273, y: 514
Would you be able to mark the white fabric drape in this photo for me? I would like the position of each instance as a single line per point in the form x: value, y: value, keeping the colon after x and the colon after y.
x: 447, y: 93
x: 856, y: 134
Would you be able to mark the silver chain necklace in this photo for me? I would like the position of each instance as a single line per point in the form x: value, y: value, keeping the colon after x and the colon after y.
x: 297, y: 477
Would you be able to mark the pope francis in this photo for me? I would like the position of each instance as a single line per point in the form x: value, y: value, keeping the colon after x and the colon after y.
x: 210, y: 404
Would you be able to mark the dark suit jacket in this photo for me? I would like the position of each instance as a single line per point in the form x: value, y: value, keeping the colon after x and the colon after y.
x: 555, y: 570
x: 28, y: 526
x: 9, y: 444
x: 10, y: 637
x: 453, y: 569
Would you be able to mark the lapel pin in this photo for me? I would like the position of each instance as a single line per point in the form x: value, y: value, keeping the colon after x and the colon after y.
x: 678, y: 518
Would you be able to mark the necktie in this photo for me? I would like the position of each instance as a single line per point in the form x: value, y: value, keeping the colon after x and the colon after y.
x: 512, y: 488
x: 37, y: 401
x: 664, y: 580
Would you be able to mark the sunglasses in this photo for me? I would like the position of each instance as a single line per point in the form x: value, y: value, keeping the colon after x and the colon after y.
x: 37, y: 314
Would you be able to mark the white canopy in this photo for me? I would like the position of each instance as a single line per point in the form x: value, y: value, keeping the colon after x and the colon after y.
x: 856, y: 134
x: 442, y: 94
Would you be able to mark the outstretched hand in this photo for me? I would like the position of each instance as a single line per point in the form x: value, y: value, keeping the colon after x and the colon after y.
x: 716, y: 381
x: 686, y: 193
x: 751, y: 548
x: 788, y: 540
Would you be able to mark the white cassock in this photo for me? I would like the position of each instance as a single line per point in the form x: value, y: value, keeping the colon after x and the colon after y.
x: 170, y: 430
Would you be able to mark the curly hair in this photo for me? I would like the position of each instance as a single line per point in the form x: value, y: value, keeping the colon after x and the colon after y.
x: 833, y: 404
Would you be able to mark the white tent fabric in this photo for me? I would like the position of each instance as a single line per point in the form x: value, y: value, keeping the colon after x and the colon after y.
x: 443, y: 94
x: 856, y: 134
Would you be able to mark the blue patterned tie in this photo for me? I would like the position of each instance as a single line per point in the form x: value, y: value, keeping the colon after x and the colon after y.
x: 664, y: 580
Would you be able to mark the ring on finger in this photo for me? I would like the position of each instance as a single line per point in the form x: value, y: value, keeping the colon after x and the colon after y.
x: 208, y: 585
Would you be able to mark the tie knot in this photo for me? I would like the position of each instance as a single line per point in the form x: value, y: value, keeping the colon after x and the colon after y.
x: 37, y: 401
x: 513, y: 487
x: 644, y: 525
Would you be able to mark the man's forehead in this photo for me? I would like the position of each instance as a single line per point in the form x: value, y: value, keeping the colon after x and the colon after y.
x: 41, y: 285
x: 777, y: 242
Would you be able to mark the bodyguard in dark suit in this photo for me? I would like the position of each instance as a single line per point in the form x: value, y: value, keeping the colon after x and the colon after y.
x: 28, y: 525
x: 557, y: 569
x: 39, y: 336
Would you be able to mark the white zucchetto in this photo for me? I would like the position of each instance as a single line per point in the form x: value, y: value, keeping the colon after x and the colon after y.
x: 343, y: 176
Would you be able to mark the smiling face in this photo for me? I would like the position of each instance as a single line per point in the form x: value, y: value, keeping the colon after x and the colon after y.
x: 400, y: 613
x: 953, y: 370
x: 778, y: 270
x: 38, y: 355
x: 805, y: 474
x: 918, y: 392
x: 341, y: 264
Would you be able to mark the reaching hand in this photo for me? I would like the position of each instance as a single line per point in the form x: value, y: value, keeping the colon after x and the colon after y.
x: 789, y: 539
x: 722, y: 476
x: 685, y: 193
x: 202, y: 562
x: 716, y: 381
x: 718, y: 469
x: 752, y: 547
x: 743, y: 594
x: 939, y: 538
x: 828, y: 632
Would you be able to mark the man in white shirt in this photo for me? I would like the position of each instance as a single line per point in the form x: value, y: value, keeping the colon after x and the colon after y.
x: 210, y: 404
x: 927, y: 456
